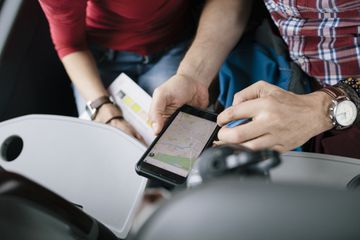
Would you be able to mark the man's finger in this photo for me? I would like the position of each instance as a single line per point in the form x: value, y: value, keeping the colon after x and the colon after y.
x: 157, y: 111
x: 246, y: 109
x: 256, y: 90
x: 242, y: 133
x: 261, y: 142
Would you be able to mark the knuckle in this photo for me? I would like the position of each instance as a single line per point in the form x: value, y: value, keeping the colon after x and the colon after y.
x: 157, y: 91
x: 272, y: 98
x: 266, y: 118
x: 271, y: 103
x: 262, y: 83
x: 276, y: 93
x: 237, y: 97
x: 237, y: 137
x: 221, y: 135
x: 267, y: 103
x: 227, y: 114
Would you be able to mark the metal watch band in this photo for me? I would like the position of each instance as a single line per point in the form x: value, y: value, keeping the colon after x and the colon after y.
x: 354, y: 96
x: 353, y: 83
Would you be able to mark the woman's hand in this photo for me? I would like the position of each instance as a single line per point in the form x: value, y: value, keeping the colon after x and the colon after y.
x: 108, y: 112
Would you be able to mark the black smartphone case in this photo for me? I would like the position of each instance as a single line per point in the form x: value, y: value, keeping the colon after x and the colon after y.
x: 149, y: 175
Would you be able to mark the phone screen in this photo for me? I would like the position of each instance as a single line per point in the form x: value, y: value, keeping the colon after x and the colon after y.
x: 181, y: 144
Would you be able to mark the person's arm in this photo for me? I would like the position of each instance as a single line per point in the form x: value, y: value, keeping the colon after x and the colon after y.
x: 221, y: 25
x: 67, y: 25
x: 82, y: 70
x: 220, y: 28
x: 281, y: 120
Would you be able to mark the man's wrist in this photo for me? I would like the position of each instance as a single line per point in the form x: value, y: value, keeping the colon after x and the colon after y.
x: 195, y: 71
x: 322, y: 103
x: 192, y: 79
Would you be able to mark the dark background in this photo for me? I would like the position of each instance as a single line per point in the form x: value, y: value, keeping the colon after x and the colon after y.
x: 32, y: 79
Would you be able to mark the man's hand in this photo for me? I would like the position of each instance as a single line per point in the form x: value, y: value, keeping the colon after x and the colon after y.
x: 220, y: 27
x: 174, y: 93
x: 281, y: 120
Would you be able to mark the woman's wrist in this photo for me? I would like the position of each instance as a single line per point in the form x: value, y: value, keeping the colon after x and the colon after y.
x: 107, y: 112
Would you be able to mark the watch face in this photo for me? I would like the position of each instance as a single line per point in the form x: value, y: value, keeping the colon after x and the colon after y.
x: 345, y: 113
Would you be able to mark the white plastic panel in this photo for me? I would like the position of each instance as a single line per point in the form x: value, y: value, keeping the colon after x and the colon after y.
x: 316, y: 169
x: 90, y: 164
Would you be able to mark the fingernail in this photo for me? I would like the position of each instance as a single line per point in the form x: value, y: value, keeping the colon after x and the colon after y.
x: 155, y: 126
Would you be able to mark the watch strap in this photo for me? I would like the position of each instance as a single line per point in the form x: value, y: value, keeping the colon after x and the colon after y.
x: 334, y: 92
x: 94, y: 106
x: 97, y: 103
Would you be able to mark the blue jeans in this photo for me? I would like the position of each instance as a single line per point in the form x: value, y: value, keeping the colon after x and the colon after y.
x: 148, y: 71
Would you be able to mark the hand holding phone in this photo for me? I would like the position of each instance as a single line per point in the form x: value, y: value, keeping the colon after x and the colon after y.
x: 172, y: 154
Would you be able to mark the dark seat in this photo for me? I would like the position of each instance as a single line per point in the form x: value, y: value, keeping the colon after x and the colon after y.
x: 29, y: 211
x: 230, y: 209
x: 222, y: 209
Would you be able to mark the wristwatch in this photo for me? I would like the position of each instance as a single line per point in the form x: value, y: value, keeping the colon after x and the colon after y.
x: 92, y: 107
x: 343, y: 111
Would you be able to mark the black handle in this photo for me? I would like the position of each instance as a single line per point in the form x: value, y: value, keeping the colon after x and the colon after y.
x: 225, y: 159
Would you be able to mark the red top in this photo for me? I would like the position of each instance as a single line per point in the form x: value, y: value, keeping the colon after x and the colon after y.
x: 140, y: 26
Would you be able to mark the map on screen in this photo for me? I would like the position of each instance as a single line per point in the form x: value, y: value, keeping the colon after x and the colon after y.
x: 181, y: 143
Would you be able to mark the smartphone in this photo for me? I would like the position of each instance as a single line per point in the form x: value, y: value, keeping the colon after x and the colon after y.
x: 187, y: 133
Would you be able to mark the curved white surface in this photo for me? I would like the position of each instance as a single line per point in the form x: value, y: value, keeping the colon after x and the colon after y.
x: 316, y: 169
x: 89, y: 164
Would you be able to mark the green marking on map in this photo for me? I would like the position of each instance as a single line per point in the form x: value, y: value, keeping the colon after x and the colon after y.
x: 182, y: 162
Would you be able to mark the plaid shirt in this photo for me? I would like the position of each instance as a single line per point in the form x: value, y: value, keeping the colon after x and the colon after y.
x: 323, y: 36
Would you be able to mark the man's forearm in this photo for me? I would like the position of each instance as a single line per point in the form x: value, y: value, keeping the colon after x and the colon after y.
x: 221, y: 25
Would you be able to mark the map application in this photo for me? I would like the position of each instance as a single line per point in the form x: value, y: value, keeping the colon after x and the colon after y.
x: 181, y: 143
